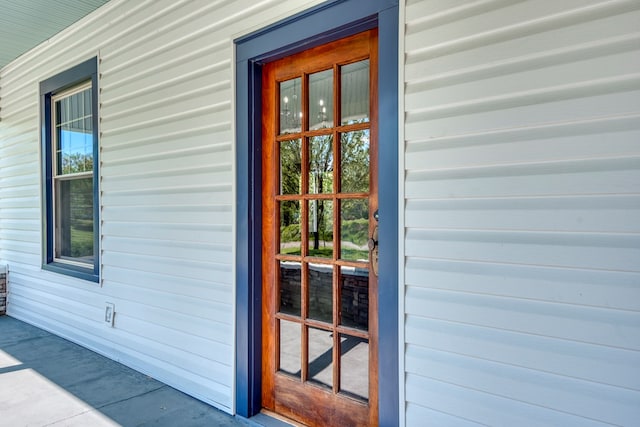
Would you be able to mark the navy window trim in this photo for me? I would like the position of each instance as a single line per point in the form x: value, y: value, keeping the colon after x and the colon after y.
x: 83, y: 72
x: 329, y: 21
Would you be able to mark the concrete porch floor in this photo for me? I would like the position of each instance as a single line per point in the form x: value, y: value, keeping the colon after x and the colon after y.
x: 46, y: 380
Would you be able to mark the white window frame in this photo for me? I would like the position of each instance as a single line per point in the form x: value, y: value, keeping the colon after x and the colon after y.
x: 63, y: 177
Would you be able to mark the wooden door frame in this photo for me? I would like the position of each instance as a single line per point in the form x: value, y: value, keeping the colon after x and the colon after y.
x: 327, y: 22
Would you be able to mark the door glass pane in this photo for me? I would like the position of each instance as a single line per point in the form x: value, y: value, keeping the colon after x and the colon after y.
x: 354, y: 229
x: 354, y: 93
x: 321, y: 164
x: 354, y: 366
x: 354, y: 162
x: 290, y: 166
x: 291, y: 106
x: 290, y: 238
x: 321, y: 228
x: 354, y: 300
x: 321, y: 100
x: 290, y: 286
x: 321, y: 292
x: 74, y: 220
x: 321, y: 356
x: 290, y: 333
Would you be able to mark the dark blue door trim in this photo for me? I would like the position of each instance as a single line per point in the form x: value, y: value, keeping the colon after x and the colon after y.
x: 327, y: 22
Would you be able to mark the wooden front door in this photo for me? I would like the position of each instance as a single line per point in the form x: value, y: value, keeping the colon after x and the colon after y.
x: 319, y: 209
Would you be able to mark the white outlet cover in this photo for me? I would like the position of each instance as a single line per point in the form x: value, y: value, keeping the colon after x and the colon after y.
x: 109, y: 313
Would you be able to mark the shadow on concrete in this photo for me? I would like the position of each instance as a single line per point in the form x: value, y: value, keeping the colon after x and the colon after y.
x: 46, y: 380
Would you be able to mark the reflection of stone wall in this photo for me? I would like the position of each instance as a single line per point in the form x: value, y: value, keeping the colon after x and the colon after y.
x: 290, y: 277
x: 355, y: 293
x: 3, y: 290
x: 320, y: 295
x: 355, y: 299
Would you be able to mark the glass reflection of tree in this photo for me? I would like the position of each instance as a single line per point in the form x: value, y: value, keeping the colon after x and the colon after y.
x: 77, y: 162
x: 290, y: 181
x: 355, y: 162
x: 354, y: 179
x: 354, y: 213
x: 321, y: 181
x: 80, y: 211
x: 290, y: 164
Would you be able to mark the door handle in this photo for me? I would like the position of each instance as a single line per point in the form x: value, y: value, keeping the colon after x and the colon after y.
x: 373, y: 246
x: 373, y: 249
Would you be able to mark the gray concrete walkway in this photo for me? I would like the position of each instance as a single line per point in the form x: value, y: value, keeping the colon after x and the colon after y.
x: 46, y: 380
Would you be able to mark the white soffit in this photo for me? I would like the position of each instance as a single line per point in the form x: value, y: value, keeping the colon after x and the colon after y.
x: 26, y: 23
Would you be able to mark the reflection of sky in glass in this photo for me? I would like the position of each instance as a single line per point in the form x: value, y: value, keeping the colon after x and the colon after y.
x: 75, y: 152
x: 74, y: 134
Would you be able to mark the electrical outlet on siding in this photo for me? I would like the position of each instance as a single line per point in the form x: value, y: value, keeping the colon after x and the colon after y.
x: 109, y: 313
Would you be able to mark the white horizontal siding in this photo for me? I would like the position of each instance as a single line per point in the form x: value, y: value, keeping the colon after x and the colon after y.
x: 20, y: 218
x: 522, y: 186
x: 166, y: 187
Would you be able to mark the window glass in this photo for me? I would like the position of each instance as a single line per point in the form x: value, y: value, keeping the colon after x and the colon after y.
x: 289, y: 345
x: 354, y: 161
x: 354, y: 229
x: 291, y: 106
x: 321, y: 100
x: 74, y: 220
x: 74, y: 133
x: 320, y: 228
x: 321, y: 357
x: 290, y: 166
x: 290, y: 284
x: 354, y: 375
x: 290, y: 229
x: 355, y: 93
x: 320, y: 279
x: 321, y: 164
x: 73, y: 178
x: 70, y: 214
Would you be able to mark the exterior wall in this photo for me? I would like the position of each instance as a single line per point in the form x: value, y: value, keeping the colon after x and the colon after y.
x: 522, y: 241
x: 3, y: 290
x: 166, y: 187
x: 522, y: 255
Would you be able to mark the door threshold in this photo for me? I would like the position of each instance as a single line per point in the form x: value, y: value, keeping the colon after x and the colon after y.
x: 271, y: 419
